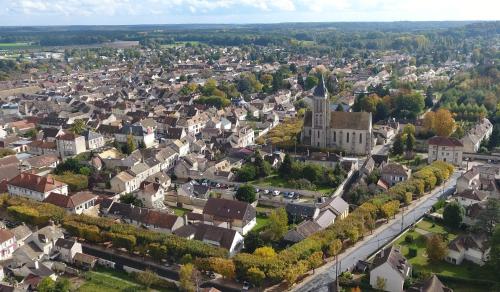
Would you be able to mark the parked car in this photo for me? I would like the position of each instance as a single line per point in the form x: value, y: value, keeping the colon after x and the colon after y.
x: 266, y: 192
x: 276, y: 193
x: 246, y: 286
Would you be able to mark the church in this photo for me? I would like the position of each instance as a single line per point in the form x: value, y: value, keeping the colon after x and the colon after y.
x: 325, y: 127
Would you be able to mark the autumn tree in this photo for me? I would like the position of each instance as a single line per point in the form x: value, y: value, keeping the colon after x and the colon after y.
x: 187, y: 278
x: 147, y: 278
x: 335, y: 247
x: 390, y: 209
x: 278, y: 223
x: 315, y: 260
x: 444, y: 124
x: 256, y: 276
x: 429, y: 119
x: 436, y: 248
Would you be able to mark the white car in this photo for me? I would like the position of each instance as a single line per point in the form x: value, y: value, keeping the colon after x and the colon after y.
x: 276, y: 193
x: 266, y: 192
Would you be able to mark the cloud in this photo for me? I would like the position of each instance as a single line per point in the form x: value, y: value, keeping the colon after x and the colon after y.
x: 29, y: 12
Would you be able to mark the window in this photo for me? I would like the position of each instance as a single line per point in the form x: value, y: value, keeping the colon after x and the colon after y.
x: 360, y: 138
x: 347, y: 140
x: 334, y: 136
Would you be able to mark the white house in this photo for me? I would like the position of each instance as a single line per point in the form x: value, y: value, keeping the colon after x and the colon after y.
x: 70, y: 145
x: 480, y: 132
x: 35, y: 187
x: 445, y: 149
x: 76, y: 204
x: 152, y: 195
x: 93, y: 140
x: 67, y: 249
x: 469, y: 247
x: 391, y: 269
x: 231, y: 214
x: 8, y: 244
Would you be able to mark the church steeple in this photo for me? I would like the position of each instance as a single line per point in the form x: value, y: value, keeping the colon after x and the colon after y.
x: 320, y: 90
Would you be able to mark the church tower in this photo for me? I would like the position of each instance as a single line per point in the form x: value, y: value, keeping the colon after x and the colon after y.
x: 320, y: 115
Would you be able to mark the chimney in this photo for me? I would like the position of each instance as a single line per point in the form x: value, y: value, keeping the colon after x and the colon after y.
x: 37, y: 266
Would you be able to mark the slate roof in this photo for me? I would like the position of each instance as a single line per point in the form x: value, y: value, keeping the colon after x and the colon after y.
x: 320, y: 90
x: 394, y: 258
x: 298, y: 210
x: 350, y: 120
x: 69, y: 201
x: 229, y: 209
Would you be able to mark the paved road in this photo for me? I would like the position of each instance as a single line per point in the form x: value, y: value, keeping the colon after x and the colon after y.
x: 325, y: 275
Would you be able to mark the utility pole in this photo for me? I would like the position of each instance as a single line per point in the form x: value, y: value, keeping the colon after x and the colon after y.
x: 402, y: 220
x: 337, y: 273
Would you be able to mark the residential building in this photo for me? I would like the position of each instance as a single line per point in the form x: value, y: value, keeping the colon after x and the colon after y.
x: 432, y: 284
x: 230, y: 214
x: 140, y: 135
x: 470, y: 247
x: 66, y: 249
x: 229, y: 239
x: 35, y: 187
x: 76, y: 204
x: 391, y: 268
x: 93, y: 140
x: 151, y: 194
x: 70, y: 145
x: 445, y: 149
x: 8, y: 244
x: 394, y: 173
x: 480, y: 132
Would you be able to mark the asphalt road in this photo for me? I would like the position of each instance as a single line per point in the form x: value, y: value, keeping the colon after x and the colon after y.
x: 326, y: 274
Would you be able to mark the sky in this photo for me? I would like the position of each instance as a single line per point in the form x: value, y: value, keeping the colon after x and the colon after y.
x: 111, y: 12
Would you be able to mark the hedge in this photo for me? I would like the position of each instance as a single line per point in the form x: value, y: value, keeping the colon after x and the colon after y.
x: 357, y: 220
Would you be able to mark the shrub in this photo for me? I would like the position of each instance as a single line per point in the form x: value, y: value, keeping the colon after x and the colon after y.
x: 412, y: 252
x: 409, y: 238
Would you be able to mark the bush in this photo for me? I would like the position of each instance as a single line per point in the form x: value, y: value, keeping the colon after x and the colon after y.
x: 412, y: 252
x: 409, y: 238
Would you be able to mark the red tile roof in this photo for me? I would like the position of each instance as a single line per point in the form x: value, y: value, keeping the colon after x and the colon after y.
x: 35, y: 182
x: 445, y: 141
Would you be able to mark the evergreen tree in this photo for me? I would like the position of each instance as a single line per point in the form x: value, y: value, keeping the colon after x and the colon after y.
x: 453, y: 215
x: 286, y: 167
x: 398, y: 147
x: 410, y: 143
x: 429, y: 97
x: 130, y: 146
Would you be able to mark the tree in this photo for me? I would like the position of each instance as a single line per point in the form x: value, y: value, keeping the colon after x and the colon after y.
x: 187, y: 278
x: 256, y: 276
x: 311, y: 81
x: 286, y: 167
x: 489, y: 217
x: 389, y: 209
x: 429, y: 119
x: 246, y: 193
x: 266, y: 252
x: 495, y: 248
x: 335, y: 247
x: 315, y: 260
x: 278, y: 223
x: 262, y: 167
x: 453, y: 215
x: 382, y: 112
x: 436, y: 248
x: 147, y: 278
x: 444, y: 124
x: 78, y: 127
x: 130, y: 145
x: 6, y: 152
x: 48, y: 285
x: 253, y: 240
x: 410, y: 143
x: 429, y: 97
x: 397, y: 146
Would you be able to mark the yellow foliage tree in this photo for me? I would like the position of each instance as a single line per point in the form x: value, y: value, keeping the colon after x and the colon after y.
x: 444, y: 124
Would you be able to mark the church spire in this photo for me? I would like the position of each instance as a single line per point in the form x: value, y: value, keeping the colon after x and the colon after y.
x: 320, y: 90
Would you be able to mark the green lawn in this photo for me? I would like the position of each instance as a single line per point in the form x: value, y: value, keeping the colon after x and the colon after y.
x: 179, y: 211
x: 13, y: 45
x: 261, y: 223
x: 421, y: 263
x: 108, y: 280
